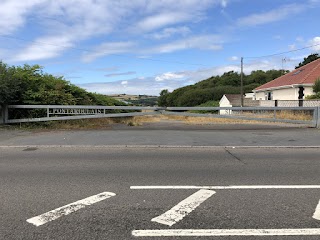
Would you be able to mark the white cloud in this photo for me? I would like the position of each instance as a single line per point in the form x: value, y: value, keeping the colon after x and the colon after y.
x: 161, y: 20
x: 314, y: 1
x: 108, y: 49
x: 168, y: 32
x: 168, y: 76
x: 120, y: 74
x: 144, y: 56
x: 171, y: 12
x: 316, y: 43
x: 44, y: 48
x: 224, y: 3
x: 234, y: 58
x: 13, y: 14
x: 299, y: 39
x: 292, y: 47
x: 132, y: 86
x: 73, y: 20
x: 204, y: 42
x: 271, y: 16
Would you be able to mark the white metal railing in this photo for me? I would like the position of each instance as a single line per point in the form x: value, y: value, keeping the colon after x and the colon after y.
x: 69, y: 112
x: 55, y: 112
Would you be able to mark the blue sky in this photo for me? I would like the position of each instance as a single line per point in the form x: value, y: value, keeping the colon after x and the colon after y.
x: 144, y: 46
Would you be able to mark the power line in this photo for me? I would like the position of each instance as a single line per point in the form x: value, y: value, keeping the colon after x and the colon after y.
x: 281, y: 53
x: 92, y: 51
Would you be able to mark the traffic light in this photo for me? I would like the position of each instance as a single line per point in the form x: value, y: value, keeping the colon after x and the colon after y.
x: 301, y: 94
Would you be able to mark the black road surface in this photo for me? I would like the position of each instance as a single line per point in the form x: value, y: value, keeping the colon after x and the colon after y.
x: 36, y: 180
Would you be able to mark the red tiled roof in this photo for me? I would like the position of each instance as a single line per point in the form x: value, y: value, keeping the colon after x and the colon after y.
x: 306, y: 74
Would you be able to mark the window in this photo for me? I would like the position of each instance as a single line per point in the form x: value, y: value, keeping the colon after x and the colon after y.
x: 297, y: 72
x: 268, y: 96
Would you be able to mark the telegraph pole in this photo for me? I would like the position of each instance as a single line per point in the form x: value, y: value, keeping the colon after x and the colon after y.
x: 241, y: 79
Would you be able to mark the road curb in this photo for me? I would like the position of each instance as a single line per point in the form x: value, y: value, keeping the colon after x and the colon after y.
x: 146, y: 146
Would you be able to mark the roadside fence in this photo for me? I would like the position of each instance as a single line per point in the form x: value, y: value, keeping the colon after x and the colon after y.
x: 309, y: 116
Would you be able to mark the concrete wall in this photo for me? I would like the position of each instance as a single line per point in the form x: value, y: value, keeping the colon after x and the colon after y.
x: 284, y: 94
x: 260, y: 96
x: 308, y: 91
x: 290, y: 103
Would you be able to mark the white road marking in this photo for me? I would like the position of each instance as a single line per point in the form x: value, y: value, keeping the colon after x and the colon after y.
x: 316, y: 214
x: 229, y: 187
x: 183, y: 208
x: 67, y: 209
x: 225, y: 232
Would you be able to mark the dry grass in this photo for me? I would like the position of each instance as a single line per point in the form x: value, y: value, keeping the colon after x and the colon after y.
x: 290, y: 115
x: 87, y: 124
x: 208, y: 120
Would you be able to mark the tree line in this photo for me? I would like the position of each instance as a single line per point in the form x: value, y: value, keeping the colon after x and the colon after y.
x: 213, y: 88
x: 31, y: 85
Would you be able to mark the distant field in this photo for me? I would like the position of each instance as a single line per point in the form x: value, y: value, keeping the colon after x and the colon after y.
x: 127, y: 97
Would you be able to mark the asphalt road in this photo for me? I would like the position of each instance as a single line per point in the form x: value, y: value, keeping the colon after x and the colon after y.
x: 170, y: 133
x: 36, y: 180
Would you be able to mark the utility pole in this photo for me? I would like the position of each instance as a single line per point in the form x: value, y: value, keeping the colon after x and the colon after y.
x: 283, y: 60
x: 241, y: 79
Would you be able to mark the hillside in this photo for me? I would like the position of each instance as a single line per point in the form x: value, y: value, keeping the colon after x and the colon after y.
x: 138, y: 100
x: 213, y: 88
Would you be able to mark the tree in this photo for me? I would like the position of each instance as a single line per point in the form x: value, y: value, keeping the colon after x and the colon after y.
x: 258, y: 76
x: 30, y: 85
x: 162, y: 100
x: 195, y: 97
x: 316, y: 86
x: 229, y: 78
x: 10, y: 84
x: 215, y: 87
x: 309, y: 59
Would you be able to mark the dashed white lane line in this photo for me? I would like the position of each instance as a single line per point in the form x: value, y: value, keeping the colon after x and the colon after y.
x: 316, y: 214
x: 226, y: 232
x: 229, y: 187
x: 183, y: 208
x: 67, y: 209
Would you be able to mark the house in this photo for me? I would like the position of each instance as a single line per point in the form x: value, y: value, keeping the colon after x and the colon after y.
x: 295, y: 85
x: 234, y: 100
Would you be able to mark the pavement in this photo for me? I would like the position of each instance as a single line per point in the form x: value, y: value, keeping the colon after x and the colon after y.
x: 170, y: 134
